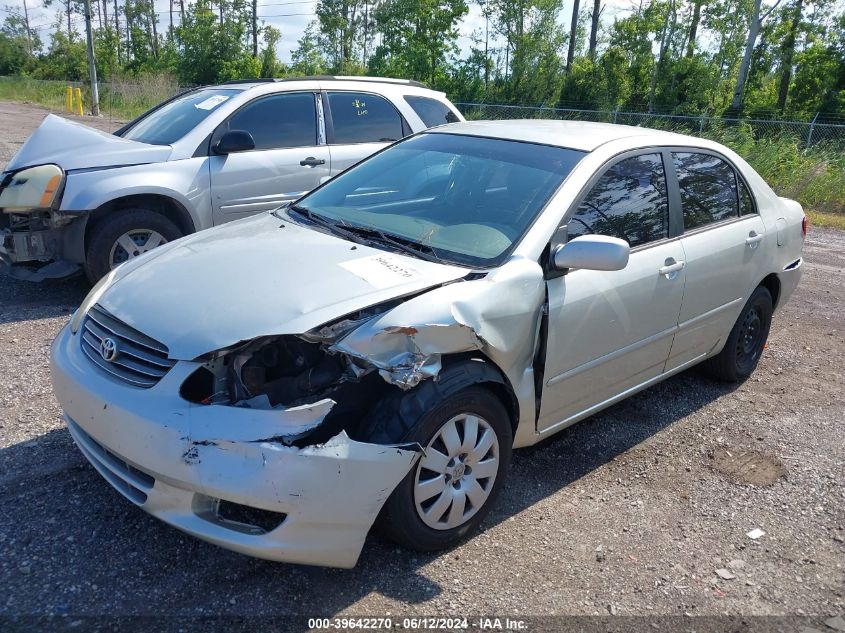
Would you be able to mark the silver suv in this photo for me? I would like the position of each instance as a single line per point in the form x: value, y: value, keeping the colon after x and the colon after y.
x: 77, y: 197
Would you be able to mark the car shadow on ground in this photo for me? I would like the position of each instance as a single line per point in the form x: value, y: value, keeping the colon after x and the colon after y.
x: 26, y: 300
x: 74, y: 545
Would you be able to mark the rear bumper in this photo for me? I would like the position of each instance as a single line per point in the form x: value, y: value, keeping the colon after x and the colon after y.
x: 178, y: 461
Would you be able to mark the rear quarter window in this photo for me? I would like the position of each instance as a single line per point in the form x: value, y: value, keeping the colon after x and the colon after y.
x: 431, y: 111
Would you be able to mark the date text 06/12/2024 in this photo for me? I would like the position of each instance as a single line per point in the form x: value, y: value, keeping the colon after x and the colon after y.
x: 420, y: 623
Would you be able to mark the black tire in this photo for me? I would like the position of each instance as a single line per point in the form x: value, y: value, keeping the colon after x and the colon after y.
x: 745, y: 343
x: 106, y: 231
x: 417, y: 416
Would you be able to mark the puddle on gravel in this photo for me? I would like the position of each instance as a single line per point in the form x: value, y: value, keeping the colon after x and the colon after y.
x: 748, y: 467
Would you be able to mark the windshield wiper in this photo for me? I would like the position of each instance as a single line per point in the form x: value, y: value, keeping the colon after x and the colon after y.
x: 323, y: 221
x: 422, y: 251
x: 369, y: 235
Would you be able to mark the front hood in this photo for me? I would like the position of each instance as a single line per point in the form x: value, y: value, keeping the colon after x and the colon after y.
x: 75, y: 146
x: 253, y: 278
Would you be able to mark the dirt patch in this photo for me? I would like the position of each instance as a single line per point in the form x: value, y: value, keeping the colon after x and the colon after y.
x: 748, y: 467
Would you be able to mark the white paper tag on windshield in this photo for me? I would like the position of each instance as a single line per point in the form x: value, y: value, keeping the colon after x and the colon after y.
x: 211, y: 102
x: 381, y: 271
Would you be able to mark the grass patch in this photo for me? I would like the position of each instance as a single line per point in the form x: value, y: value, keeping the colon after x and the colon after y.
x: 827, y: 220
x: 119, y: 98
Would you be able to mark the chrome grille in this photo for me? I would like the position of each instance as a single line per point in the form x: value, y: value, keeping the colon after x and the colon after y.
x: 138, y: 359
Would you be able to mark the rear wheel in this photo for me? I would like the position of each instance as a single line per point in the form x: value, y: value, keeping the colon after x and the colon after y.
x: 745, y: 343
x: 467, y: 441
x: 124, y: 235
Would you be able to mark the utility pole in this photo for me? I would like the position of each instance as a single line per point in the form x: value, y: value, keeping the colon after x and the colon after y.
x: 92, y: 68
x: 28, y: 31
x: 255, y: 28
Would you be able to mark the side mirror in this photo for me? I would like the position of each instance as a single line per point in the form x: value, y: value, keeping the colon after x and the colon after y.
x: 234, y: 141
x: 593, y: 252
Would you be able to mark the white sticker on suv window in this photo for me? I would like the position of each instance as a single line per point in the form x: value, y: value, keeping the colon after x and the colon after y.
x: 211, y: 102
x: 381, y: 271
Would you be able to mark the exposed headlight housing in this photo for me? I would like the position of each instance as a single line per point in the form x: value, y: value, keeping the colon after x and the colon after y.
x: 32, y: 188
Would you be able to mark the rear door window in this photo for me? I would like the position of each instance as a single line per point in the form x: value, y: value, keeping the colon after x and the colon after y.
x: 746, y: 203
x: 359, y: 117
x: 629, y: 202
x: 431, y: 111
x: 277, y: 121
x: 708, y: 189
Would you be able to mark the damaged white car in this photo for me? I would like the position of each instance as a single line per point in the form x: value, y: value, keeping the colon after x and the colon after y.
x: 378, y: 348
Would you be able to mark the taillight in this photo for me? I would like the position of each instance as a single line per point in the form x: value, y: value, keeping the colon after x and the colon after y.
x: 804, y: 224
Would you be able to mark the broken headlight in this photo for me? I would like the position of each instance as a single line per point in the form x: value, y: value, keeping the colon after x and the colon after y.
x: 287, y: 370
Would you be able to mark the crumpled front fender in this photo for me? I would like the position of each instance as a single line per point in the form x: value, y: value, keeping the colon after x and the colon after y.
x: 498, y: 315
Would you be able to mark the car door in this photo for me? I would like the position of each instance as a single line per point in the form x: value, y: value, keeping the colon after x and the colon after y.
x: 289, y: 159
x: 610, y: 331
x: 722, y: 235
x: 359, y: 124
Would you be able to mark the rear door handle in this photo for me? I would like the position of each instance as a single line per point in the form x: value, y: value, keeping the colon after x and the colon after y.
x: 753, y: 239
x: 312, y: 162
x: 671, y: 268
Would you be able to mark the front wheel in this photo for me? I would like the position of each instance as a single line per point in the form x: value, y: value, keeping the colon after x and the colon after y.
x: 467, y: 441
x: 745, y: 343
x: 123, y: 235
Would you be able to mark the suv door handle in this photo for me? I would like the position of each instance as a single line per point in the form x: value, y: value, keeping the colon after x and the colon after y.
x: 753, y: 239
x: 671, y: 268
x: 312, y: 162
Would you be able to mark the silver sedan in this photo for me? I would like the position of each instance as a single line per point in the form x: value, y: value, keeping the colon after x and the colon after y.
x: 379, y: 347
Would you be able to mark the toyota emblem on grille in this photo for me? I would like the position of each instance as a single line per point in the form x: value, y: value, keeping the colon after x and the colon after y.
x: 108, y: 349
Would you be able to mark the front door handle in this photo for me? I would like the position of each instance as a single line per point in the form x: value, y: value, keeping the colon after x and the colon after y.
x: 671, y: 267
x: 753, y: 239
x: 312, y: 162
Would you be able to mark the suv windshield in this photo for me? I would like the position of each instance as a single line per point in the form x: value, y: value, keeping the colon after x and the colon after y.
x: 463, y: 199
x: 175, y: 119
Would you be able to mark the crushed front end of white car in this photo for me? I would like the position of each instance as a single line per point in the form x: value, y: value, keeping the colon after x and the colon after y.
x: 240, y: 422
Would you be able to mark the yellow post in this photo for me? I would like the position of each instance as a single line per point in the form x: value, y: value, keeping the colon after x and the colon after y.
x: 79, y: 102
x: 69, y: 99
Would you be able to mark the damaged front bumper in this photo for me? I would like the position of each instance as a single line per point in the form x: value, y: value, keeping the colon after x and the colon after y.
x: 34, y: 246
x: 206, y: 469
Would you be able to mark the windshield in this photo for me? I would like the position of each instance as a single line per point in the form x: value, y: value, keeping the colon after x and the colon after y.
x: 175, y: 119
x: 463, y: 199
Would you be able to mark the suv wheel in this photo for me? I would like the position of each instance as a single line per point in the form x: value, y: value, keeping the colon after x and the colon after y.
x: 124, y: 235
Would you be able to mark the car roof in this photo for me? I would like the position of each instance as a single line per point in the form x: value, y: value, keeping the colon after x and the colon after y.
x: 246, y: 84
x: 580, y: 135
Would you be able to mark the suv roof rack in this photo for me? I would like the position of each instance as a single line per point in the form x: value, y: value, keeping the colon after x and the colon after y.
x: 383, y: 80
x: 233, y: 82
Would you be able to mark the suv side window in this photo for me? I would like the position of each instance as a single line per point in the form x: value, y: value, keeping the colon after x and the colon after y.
x: 629, y: 202
x: 708, y: 189
x: 431, y: 111
x: 363, y: 118
x: 277, y: 121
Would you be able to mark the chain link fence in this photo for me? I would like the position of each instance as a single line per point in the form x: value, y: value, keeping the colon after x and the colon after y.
x: 806, y: 134
x: 123, y: 100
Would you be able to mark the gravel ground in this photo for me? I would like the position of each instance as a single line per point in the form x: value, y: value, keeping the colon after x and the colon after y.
x: 630, y: 512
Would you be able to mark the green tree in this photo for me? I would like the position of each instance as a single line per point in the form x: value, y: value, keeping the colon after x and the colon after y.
x: 215, y: 46
x: 18, y: 45
x: 307, y: 58
x: 417, y: 36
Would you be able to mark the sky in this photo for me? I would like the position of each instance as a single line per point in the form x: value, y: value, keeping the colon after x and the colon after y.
x: 291, y: 17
